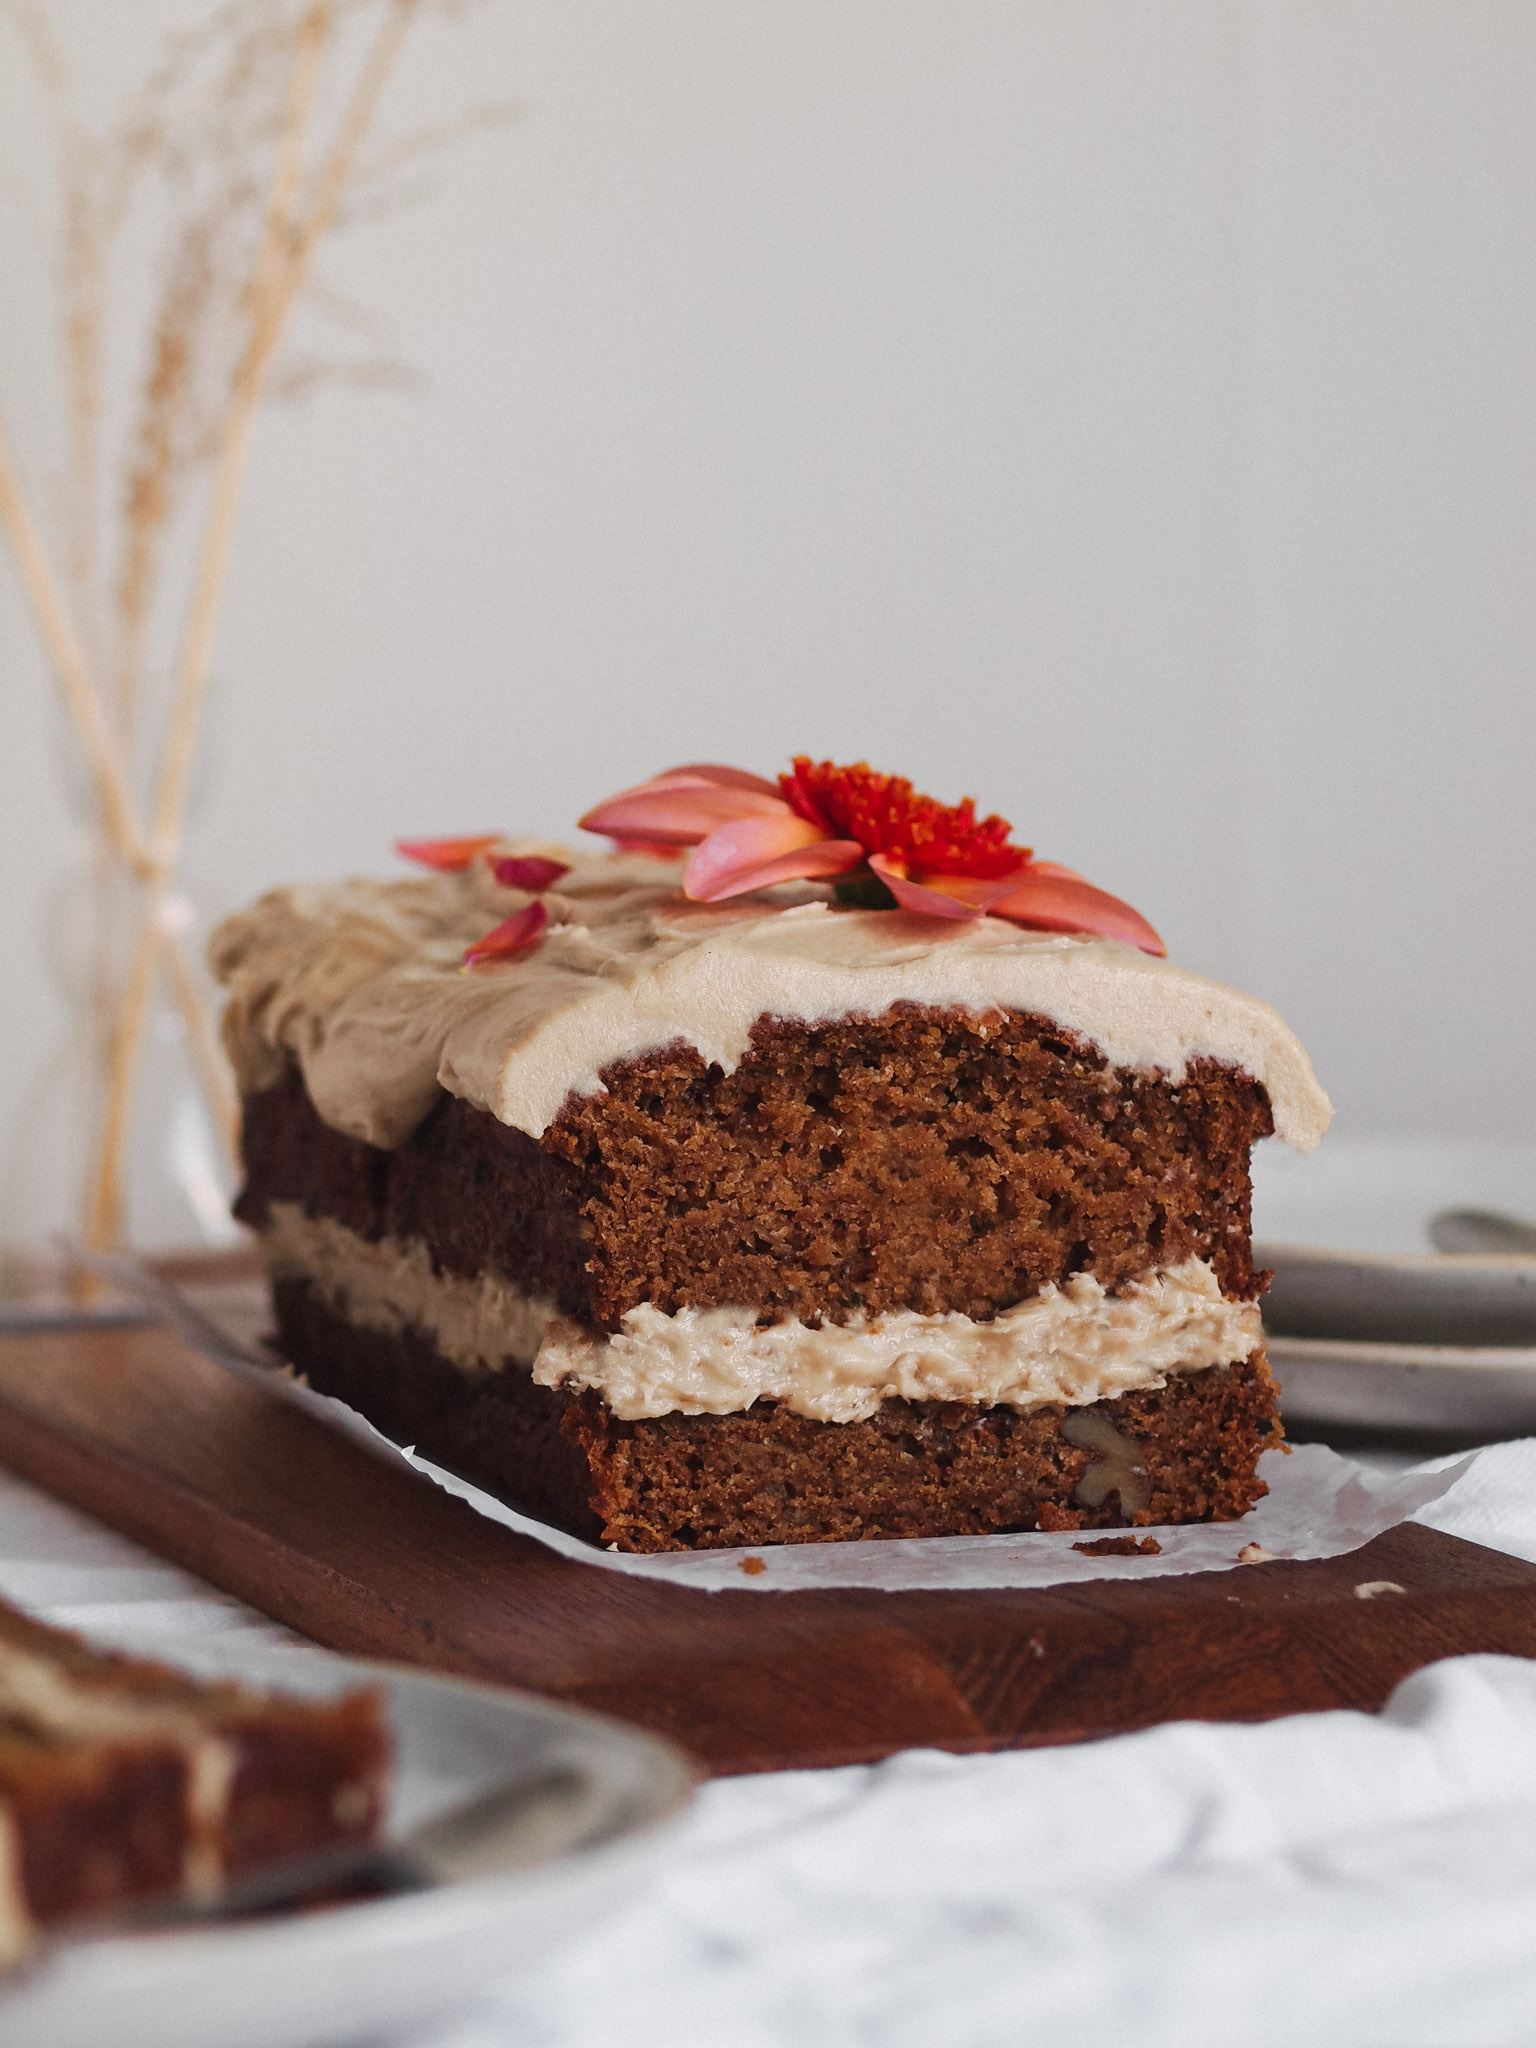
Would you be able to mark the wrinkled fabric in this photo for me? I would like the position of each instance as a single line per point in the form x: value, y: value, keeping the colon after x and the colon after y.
x: 1349, y: 1879
x: 1334, y: 1878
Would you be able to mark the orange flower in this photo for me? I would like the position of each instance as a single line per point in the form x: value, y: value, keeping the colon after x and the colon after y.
x: 935, y: 859
x: 886, y: 815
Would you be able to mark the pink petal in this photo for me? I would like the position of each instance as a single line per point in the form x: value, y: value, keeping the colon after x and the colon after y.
x: 753, y: 852
x: 652, y: 849
x: 698, y: 775
x: 727, y: 778
x: 513, y: 935
x: 826, y: 857
x: 1058, y: 902
x: 530, y: 872
x: 678, y: 813
x: 941, y: 895
x: 447, y: 855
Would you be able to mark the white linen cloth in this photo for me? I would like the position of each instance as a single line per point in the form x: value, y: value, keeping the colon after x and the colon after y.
x: 1339, y: 1880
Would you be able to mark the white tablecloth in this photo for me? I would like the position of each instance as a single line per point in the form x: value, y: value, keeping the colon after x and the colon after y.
x: 1340, y: 1879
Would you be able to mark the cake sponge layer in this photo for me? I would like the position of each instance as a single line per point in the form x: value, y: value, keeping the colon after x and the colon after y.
x: 1184, y: 1452
x: 925, y: 1160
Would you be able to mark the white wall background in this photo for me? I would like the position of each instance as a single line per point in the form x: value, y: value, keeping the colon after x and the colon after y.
x: 1123, y: 412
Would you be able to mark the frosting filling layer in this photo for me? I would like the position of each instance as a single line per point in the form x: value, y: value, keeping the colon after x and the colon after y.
x: 1074, y: 1344
x: 15, y: 1914
x: 361, y: 983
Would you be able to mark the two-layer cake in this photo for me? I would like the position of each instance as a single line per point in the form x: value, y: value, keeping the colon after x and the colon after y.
x: 770, y: 1218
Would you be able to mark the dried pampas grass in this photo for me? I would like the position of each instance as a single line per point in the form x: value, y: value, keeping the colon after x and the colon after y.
x: 256, y: 127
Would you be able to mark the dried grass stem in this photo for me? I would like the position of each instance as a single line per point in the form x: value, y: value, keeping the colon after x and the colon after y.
x: 245, y: 83
x: 80, y: 696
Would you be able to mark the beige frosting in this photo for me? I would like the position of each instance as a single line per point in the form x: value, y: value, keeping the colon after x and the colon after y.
x: 1074, y: 1344
x: 393, y: 1285
x: 16, y: 1930
x: 211, y: 1768
x: 361, y: 983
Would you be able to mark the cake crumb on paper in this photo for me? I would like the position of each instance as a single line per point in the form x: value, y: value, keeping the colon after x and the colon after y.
x: 754, y: 1567
x: 1255, y: 1553
x: 1121, y: 1546
x: 1369, y: 1588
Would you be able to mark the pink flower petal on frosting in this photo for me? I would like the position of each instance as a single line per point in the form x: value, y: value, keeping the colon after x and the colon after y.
x: 449, y: 856
x: 826, y: 857
x: 529, y: 871
x: 1063, y: 902
x: 649, y: 849
x: 679, y: 813
x: 727, y: 778
x: 515, y: 934
x: 941, y: 895
x: 756, y: 851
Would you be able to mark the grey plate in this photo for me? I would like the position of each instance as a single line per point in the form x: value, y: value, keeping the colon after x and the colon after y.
x: 1449, y: 1390
x: 353, y: 1971
x: 1433, y: 1298
x: 1426, y: 1342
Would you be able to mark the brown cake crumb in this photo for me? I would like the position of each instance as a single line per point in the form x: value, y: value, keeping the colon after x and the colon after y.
x: 928, y: 1159
x: 1121, y: 1546
x: 754, y: 1567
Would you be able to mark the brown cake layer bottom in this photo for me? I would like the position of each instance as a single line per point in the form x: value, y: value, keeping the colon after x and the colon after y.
x: 1189, y: 1450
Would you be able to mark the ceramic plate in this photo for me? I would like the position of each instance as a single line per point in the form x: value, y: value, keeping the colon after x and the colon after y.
x: 1412, y: 1341
x: 349, y: 1972
x: 1400, y: 1298
x: 1449, y: 1390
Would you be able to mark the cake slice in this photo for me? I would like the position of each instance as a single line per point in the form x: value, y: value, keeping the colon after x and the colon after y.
x: 771, y: 1219
x: 122, y: 1779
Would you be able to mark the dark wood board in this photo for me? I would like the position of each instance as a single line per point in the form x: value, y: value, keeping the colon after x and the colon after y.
x: 242, y: 1487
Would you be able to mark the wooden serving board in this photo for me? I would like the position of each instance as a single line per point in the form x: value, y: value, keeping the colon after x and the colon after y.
x: 244, y: 1488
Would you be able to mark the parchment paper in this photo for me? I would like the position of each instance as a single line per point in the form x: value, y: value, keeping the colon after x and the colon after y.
x: 1318, y: 1505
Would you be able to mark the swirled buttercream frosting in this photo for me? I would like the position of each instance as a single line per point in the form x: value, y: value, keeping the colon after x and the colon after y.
x: 362, y: 983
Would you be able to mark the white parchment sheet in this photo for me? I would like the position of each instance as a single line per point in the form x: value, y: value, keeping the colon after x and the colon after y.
x: 1318, y: 1505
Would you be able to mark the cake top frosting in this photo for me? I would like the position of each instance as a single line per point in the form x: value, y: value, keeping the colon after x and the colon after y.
x: 363, y: 983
